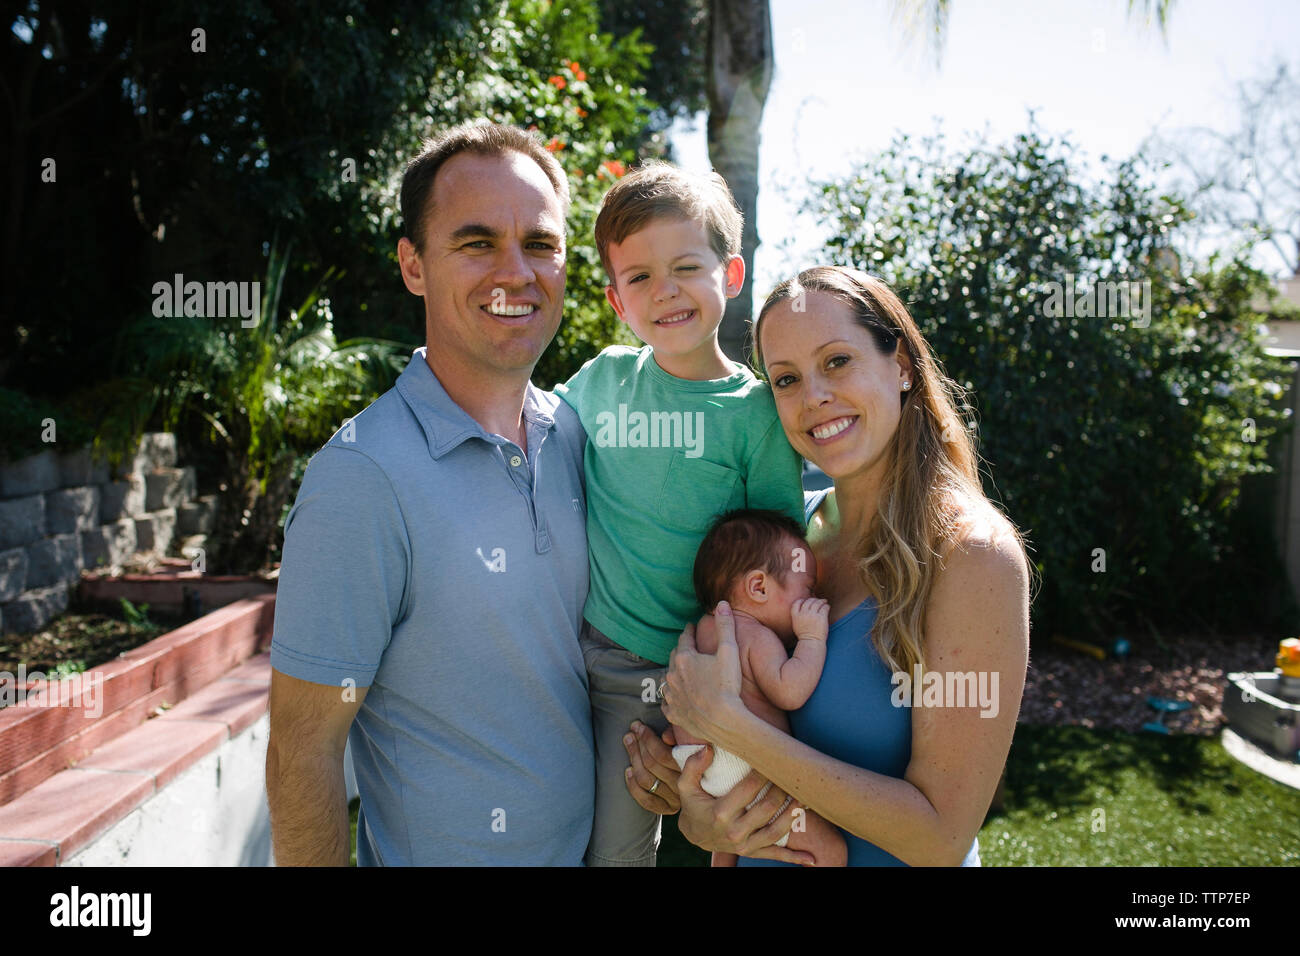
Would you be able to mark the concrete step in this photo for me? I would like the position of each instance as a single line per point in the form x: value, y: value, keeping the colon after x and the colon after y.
x: 168, y: 488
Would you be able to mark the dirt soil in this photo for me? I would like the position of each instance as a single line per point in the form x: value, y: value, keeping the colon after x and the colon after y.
x: 80, y: 639
x: 1065, y: 686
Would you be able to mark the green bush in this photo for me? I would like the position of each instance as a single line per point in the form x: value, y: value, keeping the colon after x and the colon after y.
x: 1125, y: 433
x: 22, y: 419
x: 109, y: 419
x: 253, y: 402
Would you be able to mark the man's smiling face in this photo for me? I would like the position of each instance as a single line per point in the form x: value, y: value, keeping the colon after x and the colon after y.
x: 492, y: 266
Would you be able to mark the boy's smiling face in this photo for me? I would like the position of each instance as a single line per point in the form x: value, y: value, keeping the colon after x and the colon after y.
x: 671, y: 289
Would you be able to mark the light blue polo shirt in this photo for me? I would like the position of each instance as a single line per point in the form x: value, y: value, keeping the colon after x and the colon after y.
x: 442, y: 568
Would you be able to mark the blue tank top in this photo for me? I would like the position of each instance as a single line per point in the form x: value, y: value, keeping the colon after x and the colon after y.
x: 849, y: 716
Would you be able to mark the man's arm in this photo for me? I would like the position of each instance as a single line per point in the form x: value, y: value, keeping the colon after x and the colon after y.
x: 342, y: 585
x: 304, y: 770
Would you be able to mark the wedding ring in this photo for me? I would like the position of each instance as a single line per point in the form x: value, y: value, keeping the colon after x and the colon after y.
x: 655, y: 787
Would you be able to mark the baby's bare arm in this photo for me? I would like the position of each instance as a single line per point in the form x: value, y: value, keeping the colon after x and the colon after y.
x: 788, y: 681
x: 821, y: 838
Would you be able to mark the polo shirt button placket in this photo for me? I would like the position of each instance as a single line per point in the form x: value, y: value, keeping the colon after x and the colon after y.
x: 518, y: 469
x: 523, y: 481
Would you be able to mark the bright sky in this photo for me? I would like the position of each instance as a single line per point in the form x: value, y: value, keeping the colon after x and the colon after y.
x: 846, y: 81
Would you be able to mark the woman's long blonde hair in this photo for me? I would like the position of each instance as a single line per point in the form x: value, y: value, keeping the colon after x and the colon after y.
x: 933, y: 475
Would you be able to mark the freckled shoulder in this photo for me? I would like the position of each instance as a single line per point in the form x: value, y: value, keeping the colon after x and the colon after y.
x: 979, y: 604
x: 984, y: 554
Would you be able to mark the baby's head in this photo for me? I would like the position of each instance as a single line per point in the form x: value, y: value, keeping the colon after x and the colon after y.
x: 758, y: 562
x: 670, y: 243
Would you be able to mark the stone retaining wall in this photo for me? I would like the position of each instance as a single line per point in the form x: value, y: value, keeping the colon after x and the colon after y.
x: 62, y: 512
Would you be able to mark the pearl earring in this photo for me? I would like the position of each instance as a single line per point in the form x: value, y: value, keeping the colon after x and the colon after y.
x: 906, y: 385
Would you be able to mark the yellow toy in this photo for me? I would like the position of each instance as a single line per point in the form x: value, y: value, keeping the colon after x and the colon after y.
x: 1288, y: 657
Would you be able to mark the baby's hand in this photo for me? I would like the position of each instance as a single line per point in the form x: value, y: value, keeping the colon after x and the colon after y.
x: 811, y: 618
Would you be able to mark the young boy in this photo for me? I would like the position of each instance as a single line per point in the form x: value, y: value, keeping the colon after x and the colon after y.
x: 676, y: 435
x: 760, y: 564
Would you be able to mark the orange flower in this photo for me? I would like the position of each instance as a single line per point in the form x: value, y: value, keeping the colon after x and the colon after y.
x: 555, y: 145
x: 559, y: 82
x: 614, y: 167
x: 582, y: 114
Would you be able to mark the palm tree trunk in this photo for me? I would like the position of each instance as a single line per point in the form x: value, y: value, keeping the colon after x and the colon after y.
x: 740, y: 74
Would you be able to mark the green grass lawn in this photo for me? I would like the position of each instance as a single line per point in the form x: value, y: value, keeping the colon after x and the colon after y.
x: 1163, y: 801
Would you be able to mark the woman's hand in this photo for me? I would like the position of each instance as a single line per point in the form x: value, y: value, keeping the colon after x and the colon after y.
x: 723, y: 825
x: 702, y: 692
x: 652, y: 766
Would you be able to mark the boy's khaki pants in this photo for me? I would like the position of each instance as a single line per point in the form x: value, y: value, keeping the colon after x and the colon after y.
x: 620, y: 682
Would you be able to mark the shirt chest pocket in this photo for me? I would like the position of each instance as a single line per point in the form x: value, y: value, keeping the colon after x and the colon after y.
x: 695, y: 491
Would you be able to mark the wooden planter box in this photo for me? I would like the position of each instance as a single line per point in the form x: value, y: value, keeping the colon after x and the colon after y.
x: 96, y: 722
x: 165, y: 591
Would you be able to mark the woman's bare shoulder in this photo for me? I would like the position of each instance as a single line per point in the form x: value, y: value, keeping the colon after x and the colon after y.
x: 977, y: 525
x: 983, y: 542
x: 981, y: 593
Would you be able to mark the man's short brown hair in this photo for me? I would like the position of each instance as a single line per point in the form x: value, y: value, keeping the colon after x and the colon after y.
x: 740, y: 541
x: 485, y: 139
x: 659, y: 190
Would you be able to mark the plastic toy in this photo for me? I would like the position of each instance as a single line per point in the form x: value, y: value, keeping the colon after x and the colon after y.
x: 1118, y: 649
x: 1288, y: 657
x: 1163, y: 707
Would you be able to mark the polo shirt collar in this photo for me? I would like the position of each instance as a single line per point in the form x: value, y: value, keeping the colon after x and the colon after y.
x: 445, y: 423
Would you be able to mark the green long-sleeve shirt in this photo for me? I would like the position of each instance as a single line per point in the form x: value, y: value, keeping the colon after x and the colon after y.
x: 664, y: 456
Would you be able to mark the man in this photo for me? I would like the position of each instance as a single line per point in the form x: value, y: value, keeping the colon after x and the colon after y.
x: 435, y: 562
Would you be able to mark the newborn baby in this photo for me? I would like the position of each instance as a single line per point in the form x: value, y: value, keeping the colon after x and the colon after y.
x: 760, y: 564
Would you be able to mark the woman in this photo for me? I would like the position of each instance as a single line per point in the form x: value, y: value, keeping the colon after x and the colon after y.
x: 921, y: 571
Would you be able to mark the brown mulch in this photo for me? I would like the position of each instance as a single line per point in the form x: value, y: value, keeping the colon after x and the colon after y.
x: 1065, y: 686
x: 83, y: 636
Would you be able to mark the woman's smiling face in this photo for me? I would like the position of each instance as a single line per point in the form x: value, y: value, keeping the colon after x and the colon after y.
x: 839, y: 397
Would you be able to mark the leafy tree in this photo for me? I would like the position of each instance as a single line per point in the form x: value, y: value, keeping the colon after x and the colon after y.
x: 184, y: 152
x: 177, y: 152
x: 1245, y: 180
x: 182, y: 137
x: 1118, y: 438
x: 927, y: 20
x: 678, y: 71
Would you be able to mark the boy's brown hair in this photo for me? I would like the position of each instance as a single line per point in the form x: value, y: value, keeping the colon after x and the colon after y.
x: 740, y: 541
x: 659, y: 190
